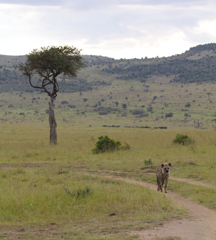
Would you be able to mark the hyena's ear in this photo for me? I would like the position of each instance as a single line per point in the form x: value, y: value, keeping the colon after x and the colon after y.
x: 170, y: 164
x: 162, y: 165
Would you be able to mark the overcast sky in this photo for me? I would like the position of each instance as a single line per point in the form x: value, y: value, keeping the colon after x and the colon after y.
x: 113, y: 28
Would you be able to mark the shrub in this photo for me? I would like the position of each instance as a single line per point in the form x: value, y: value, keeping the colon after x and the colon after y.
x: 71, y: 106
x: 148, y: 162
x: 187, y: 105
x: 126, y: 146
x: 137, y: 112
x: 183, y: 139
x: 64, y: 102
x: 106, y: 144
x: 124, y: 105
x: 103, y: 112
x: 79, y: 193
x: 169, y: 115
x: 149, y: 109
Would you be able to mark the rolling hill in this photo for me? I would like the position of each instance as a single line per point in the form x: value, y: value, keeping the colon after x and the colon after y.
x: 170, y: 91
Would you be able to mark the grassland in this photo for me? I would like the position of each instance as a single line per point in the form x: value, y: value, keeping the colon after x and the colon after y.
x: 192, y: 105
x: 40, y: 182
x: 57, y: 187
x: 53, y: 192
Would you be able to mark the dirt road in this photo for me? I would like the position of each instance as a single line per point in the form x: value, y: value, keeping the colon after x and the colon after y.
x: 200, y: 226
x: 190, y: 181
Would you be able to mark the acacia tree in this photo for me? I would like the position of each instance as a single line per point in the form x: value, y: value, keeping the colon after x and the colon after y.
x: 42, y: 68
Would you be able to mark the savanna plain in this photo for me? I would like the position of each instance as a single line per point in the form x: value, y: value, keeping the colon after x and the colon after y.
x: 59, y: 191
x: 64, y: 191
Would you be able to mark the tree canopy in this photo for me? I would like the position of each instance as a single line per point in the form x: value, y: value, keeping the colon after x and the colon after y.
x: 47, y: 63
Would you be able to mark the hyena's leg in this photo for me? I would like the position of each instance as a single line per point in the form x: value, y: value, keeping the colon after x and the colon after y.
x: 166, y: 181
x: 162, y: 183
x: 158, y: 183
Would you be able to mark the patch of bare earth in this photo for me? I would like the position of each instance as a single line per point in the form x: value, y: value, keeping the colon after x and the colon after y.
x: 200, y: 226
x: 50, y: 231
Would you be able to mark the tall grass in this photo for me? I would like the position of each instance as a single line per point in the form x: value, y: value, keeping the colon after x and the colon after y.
x: 32, y: 196
x: 29, y: 144
x: 41, y: 183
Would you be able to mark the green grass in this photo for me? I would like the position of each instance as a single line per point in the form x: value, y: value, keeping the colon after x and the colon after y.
x: 79, y: 205
x: 171, y: 97
x: 30, y: 144
x: 32, y: 196
x: 40, y: 183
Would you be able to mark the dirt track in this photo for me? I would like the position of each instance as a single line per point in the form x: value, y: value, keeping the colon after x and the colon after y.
x: 200, y: 226
x: 197, y: 183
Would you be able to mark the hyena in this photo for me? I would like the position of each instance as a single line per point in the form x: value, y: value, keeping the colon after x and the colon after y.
x: 163, y: 175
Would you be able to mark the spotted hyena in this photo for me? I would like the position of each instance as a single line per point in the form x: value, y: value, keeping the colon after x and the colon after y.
x: 163, y: 175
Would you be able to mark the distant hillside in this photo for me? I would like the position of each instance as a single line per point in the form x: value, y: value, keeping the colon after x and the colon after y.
x: 198, y: 64
x: 177, y: 91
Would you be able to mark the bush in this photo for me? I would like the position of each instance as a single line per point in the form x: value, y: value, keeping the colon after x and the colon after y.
x: 183, y: 139
x: 124, y: 105
x: 187, y: 105
x: 125, y: 147
x: 79, y: 193
x: 106, y: 144
x: 64, y: 102
x: 148, y: 162
x: 169, y: 115
x: 137, y: 112
x: 71, y: 106
x: 150, y: 109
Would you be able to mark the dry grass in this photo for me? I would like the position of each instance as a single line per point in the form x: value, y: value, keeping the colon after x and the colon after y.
x: 25, y: 144
x: 171, y: 97
x: 44, y: 195
x: 34, y: 176
x: 43, y: 184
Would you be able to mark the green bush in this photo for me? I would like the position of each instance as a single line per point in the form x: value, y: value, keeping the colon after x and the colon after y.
x: 125, y: 146
x: 79, y: 193
x: 106, y: 144
x: 183, y: 139
x: 148, y: 162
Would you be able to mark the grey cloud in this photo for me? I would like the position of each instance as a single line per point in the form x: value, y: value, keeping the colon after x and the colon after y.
x: 98, y: 26
x: 113, y: 24
x: 33, y: 2
x: 98, y: 4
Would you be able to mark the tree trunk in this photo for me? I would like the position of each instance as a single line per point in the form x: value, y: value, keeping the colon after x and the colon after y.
x: 52, y: 122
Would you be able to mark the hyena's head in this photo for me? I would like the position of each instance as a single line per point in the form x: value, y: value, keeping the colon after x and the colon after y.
x: 166, y: 167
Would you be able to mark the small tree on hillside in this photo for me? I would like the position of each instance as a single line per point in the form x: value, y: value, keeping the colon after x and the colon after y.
x: 124, y: 106
x: 45, y: 64
x: 209, y: 94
